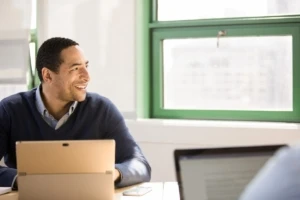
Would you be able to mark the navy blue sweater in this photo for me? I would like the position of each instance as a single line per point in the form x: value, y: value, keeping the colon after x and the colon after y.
x: 94, y: 118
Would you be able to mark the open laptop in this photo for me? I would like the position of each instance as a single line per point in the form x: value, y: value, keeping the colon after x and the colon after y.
x: 64, y: 170
x: 218, y: 173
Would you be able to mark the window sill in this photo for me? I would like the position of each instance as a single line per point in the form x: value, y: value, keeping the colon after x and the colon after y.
x: 216, y: 124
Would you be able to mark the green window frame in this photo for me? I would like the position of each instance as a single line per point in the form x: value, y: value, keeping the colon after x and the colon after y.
x: 33, y: 78
x: 152, y: 32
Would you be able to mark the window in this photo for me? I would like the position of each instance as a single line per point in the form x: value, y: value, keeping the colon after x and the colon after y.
x: 221, y: 60
x: 33, y: 80
x: 15, y: 73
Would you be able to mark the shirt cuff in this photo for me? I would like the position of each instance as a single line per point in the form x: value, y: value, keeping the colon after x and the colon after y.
x: 121, y: 175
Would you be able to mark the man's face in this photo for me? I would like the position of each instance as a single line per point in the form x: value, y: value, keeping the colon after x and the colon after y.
x: 72, y: 78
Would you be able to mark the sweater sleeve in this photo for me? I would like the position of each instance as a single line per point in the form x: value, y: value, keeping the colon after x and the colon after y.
x: 279, y: 179
x: 6, y: 174
x: 130, y: 161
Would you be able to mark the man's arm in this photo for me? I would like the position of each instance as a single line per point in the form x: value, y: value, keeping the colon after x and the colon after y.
x: 7, y: 175
x: 130, y: 161
x: 279, y: 179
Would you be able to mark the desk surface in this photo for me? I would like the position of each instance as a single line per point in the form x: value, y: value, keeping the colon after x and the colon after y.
x: 160, y: 191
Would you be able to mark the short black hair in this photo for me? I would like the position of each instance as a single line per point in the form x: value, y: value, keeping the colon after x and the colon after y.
x: 48, y: 54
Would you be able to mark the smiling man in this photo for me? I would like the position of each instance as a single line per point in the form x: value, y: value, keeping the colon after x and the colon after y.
x: 61, y: 109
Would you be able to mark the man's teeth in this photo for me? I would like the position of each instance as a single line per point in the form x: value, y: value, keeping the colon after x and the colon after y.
x: 81, y: 87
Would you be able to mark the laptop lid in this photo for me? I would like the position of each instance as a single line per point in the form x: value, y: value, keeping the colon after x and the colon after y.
x: 218, y: 173
x: 66, y: 169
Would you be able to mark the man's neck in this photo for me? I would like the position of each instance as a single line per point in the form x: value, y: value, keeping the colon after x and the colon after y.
x: 54, y: 106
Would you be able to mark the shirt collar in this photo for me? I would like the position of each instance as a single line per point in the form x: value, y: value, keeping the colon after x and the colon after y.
x: 41, y: 106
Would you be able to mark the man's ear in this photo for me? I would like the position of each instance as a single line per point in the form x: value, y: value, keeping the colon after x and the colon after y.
x: 46, y: 74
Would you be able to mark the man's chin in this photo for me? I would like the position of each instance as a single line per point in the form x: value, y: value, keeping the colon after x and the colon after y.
x: 80, y: 98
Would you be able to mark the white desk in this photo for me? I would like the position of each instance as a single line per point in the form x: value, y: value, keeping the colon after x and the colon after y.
x: 170, y: 191
x: 160, y: 191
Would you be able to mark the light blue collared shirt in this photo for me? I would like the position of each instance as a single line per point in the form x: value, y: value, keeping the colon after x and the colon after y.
x: 47, y: 116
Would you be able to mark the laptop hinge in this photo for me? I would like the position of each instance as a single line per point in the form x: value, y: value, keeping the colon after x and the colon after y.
x: 22, y: 174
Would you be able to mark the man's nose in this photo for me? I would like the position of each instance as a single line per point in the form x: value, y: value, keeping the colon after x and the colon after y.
x: 85, y: 75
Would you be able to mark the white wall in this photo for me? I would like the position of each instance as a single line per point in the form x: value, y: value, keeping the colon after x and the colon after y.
x: 159, y: 138
x: 106, y: 31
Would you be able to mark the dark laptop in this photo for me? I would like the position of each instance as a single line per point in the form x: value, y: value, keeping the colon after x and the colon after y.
x: 218, y: 173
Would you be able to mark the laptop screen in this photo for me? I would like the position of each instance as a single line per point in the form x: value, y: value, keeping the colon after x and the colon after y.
x: 218, y: 173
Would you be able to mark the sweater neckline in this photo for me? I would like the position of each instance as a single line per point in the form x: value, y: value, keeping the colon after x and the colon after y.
x: 39, y: 117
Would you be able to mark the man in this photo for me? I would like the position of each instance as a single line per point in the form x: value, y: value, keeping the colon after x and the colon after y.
x: 61, y: 109
x: 279, y: 179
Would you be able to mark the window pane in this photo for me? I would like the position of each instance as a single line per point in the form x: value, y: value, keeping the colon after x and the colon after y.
x: 169, y: 10
x: 242, y: 73
x: 13, y: 61
x: 15, y: 14
x: 10, y: 89
x: 33, y: 14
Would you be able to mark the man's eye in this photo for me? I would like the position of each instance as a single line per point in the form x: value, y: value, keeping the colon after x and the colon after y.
x: 74, y: 69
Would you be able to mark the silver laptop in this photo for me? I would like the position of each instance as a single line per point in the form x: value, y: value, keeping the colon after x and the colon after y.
x: 218, y: 173
x: 64, y: 170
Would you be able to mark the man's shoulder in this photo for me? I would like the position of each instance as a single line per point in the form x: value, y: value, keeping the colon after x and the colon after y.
x: 98, y: 103
x: 97, y: 98
x: 17, y: 98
